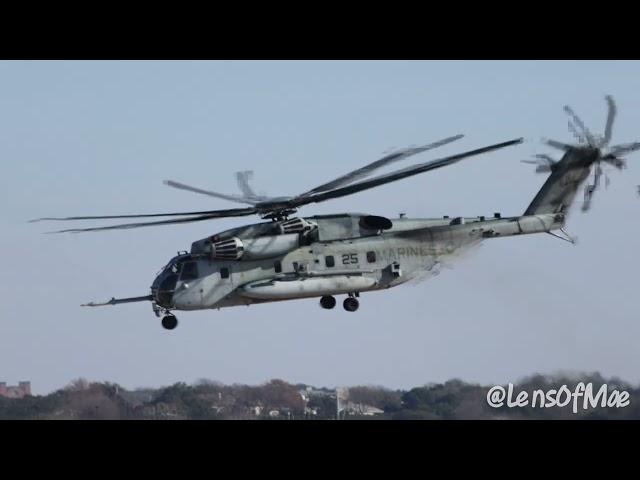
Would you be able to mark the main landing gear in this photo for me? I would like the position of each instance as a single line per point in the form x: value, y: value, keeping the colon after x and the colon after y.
x: 327, y: 302
x: 350, y: 304
x: 169, y: 321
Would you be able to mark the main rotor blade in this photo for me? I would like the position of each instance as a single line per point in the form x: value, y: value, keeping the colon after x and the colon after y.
x: 611, y: 115
x: 232, y: 198
x: 398, y: 175
x: 384, y: 161
x: 110, y: 217
x: 234, y: 212
x: 243, y: 184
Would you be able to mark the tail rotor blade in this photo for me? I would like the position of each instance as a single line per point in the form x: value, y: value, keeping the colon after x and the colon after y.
x: 544, y: 163
x: 588, y: 194
x: 546, y: 158
x: 597, y: 175
x: 580, y: 125
x: 624, y: 148
x: 611, y: 115
x: 590, y: 189
x: 615, y: 161
x: 572, y: 128
x: 558, y: 145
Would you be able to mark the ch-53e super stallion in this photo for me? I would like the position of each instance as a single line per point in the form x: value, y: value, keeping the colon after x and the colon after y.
x: 287, y: 257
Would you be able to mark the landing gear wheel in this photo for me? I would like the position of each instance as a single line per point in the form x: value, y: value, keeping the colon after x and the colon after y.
x: 169, y: 322
x: 327, y: 302
x: 351, y: 304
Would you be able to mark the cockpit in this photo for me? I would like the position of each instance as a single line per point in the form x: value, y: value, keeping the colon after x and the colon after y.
x: 180, y: 268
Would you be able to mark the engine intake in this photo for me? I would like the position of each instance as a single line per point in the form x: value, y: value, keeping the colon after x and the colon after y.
x: 254, y: 248
x: 374, y: 222
x: 295, y: 225
x: 231, y: 249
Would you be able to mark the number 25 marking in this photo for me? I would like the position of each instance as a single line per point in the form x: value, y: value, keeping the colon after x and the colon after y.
x: 349, y: 258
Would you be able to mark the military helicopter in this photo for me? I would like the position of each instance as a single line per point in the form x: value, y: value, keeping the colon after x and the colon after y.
x: 287, y: 257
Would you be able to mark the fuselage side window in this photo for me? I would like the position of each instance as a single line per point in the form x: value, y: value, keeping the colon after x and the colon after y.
x: 277, y: 266
x: 224, y: 272
x: 330, y: 261
x: 371, y: 257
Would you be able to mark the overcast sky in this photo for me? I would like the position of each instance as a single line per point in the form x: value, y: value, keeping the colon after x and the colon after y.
x: 98, y: 138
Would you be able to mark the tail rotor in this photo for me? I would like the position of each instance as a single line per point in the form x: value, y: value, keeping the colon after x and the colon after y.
x: 595, y: 148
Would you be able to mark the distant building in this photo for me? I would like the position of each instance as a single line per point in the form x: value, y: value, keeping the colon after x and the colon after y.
x: 361, y: 409
x: 22, y: 390
x: 256, y: 410
x: 346, y: 407
x: 340, y: 395
x: 308, y: 392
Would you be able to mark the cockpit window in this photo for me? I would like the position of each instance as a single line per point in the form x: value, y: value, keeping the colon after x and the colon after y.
x: 174, y: 264
x: 189, y: 271
x: 168, y: 283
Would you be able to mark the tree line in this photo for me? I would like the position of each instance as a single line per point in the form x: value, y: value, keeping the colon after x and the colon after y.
x: 280, y: 400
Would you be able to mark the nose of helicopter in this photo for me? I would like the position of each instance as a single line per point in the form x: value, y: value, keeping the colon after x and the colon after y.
x: 164, y: 298
x: 163, y: 288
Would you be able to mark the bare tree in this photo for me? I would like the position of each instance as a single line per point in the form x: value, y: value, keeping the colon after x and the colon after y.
x: 78, y: 384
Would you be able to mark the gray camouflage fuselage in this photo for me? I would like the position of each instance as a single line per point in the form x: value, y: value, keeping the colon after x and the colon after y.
x: 366, y: 262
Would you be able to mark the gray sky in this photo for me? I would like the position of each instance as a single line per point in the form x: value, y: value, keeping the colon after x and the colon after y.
x: 92, y: 138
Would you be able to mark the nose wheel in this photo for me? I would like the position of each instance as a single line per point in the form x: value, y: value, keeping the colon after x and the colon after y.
x: 169, y: 322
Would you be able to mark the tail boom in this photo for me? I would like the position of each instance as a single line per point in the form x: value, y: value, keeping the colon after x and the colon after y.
x: 526, y: 224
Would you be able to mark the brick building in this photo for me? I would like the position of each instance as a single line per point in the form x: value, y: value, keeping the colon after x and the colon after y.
x: 22, y: 390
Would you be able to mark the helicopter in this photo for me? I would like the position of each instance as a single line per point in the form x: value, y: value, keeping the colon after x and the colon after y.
x: 286, y: 257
